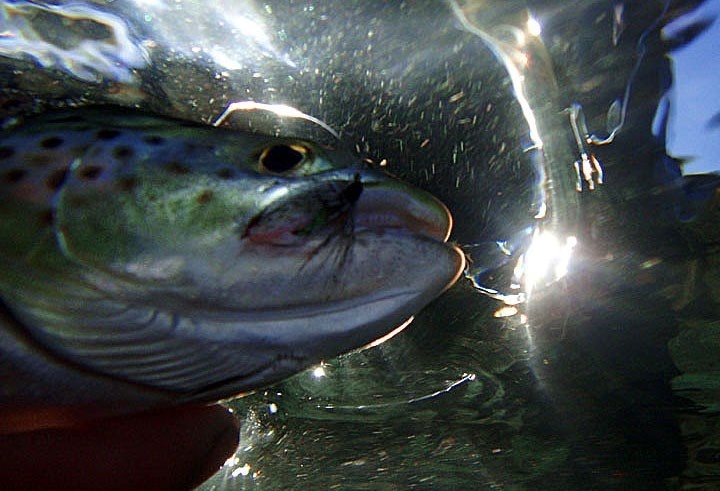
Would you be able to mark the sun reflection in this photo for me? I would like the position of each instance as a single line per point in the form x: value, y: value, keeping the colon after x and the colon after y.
x: 512, y: 54
x: 546, y: 260
x: 241, y: 471
x: 232, y: 461
x: 235, y: 33
x: 93, y: 45
x: 389, y: 335
x: 255, y: 433
x: 506, y: 311
x: 533, y: 27
x: 319, y: 372
x: 281, y: 110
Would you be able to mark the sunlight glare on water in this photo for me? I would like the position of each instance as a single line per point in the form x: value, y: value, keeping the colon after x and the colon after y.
x: 546, y: 260
x: 93, y: 44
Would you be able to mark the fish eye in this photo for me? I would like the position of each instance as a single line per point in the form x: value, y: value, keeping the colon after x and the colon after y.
x: 279, y: 159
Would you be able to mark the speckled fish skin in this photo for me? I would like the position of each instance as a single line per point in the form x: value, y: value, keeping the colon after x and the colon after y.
x: 148, y: 261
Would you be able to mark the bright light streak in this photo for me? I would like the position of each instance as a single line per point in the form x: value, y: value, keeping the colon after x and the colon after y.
x: 319, y: 372
x: 249, y: 27
x: 223, y: 59
x: 232, y: 461
x: 155, y: 4
x: 113, y: 58
x: 281, y: 110
x: 507, y: 299
x: 545, y: 261
x: 533, y: 27
x: 234, y: 33
x: 389, y: 335
x: 241, y: 471
x: 505, y: 53
x: 506, y: 311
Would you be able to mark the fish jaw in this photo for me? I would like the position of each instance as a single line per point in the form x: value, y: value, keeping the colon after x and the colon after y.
x: 380, y: 291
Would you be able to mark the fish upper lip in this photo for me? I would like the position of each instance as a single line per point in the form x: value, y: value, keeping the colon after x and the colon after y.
x: 381, y: 207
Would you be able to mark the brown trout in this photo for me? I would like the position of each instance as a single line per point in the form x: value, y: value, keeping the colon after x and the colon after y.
x: 148, y: 261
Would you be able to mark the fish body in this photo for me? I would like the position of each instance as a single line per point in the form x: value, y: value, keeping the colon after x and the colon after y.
x: 147, y: 261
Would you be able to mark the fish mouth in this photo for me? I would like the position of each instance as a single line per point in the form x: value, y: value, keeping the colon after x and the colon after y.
x: 358, y: 204
x: 386, y: 208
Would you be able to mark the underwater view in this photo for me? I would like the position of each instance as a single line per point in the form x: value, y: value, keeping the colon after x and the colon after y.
x: 530, y: 297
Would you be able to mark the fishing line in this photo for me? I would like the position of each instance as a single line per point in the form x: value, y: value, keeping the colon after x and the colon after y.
x: 465, y: 378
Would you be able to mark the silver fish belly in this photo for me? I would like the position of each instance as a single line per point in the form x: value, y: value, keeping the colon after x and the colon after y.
x: 148, y: 261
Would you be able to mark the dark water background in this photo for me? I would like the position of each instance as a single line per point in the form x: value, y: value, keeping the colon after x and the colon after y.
x: 613, y: 379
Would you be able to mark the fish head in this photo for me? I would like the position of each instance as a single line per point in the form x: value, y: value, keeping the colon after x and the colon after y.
x: 251, y: 260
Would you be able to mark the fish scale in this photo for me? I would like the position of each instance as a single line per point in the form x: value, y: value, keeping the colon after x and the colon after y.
x: 181, y: 262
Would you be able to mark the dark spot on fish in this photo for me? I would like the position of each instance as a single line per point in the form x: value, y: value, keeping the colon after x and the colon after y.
x: 107, y: 134
x: 46, y: 218
x: 123, y: 152
x: 225, y: 173
x: 15, y: 175
x: 127, y: 183
x: 6, y: 152
x: 51, y: 142
x: 154, y: 140
x: 205, y: 197
x: 91, y: 172
x: 55, y: 180
x: 177, y: 168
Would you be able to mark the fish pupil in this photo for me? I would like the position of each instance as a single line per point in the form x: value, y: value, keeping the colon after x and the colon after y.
x: 279, y: 159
